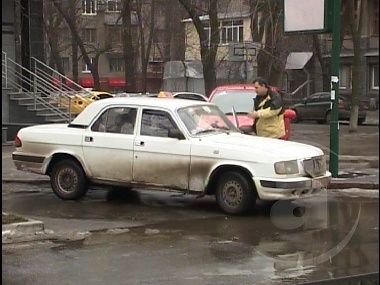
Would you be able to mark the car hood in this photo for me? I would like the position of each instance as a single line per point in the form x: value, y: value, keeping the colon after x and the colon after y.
x: 272, y: 147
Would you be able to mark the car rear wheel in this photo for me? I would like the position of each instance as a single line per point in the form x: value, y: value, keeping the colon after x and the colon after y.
x: 68, y: 180
x: 234, y: 194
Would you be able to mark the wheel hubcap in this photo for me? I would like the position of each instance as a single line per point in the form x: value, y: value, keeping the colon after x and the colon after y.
x: 67, y: 180
x: 232, y: 194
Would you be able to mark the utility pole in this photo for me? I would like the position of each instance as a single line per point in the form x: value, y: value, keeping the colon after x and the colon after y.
x: 334, y: 119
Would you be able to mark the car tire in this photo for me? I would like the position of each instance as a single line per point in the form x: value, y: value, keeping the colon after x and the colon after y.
x: 320, y: 122
x: 234, y: 194
x: 328, y: 117
x: 68, y: 180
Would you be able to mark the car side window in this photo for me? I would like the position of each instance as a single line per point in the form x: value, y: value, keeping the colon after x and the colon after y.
x: 116, y: 120
x: 313, y: 99
x: 156, y: 123
x: 325, y: 98
x: 104, y: 96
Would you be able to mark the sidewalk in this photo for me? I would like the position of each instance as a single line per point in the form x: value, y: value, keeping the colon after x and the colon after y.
x: 354, y: 172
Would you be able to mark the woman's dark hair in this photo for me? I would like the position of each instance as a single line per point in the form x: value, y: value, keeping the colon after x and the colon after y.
x: 261, y: 81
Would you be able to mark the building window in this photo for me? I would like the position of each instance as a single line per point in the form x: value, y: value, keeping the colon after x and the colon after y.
x: 65, y: 64
x: 89, y: 35
x: 231, y: 32
x: 374, y: 77
x: 113, y: 6
x: 345, y: 77
x: 85, y: 67
x: 116, y: 64
x: 89, y: 7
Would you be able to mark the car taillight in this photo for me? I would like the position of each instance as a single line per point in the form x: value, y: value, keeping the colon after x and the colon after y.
x: 17, y: 142
x: 341, y: 105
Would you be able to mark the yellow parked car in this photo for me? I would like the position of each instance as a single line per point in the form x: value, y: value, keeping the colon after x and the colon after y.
x: 80, y: 100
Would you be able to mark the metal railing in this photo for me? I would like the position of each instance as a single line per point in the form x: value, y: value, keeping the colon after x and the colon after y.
x: 45, y: 86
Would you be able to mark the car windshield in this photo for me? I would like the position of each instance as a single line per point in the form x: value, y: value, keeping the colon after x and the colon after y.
x: 204, y: 119
x: 240, y: 100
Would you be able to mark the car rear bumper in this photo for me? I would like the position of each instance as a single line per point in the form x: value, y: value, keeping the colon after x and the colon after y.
x: 28, y: 163
x: 301, y: 187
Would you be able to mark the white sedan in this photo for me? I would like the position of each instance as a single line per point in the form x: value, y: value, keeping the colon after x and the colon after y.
x: 183, y: 145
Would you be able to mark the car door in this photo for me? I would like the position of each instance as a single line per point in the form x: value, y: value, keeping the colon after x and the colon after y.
x: 324, y: 105
x: 108, y: 152
x: 159, y: 159
x: 307, y: 110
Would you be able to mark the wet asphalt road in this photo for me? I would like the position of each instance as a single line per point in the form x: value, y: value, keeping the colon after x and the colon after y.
x: 173, y: 239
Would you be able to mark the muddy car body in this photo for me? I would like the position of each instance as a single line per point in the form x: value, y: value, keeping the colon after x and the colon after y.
x: 184, y: 145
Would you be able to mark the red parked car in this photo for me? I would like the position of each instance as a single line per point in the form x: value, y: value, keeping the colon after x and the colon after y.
x: 238, y: 99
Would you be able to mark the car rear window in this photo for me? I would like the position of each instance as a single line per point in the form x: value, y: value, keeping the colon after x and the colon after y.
x: 241, y: 100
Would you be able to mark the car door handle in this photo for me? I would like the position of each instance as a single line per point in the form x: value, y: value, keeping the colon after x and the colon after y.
x: 139, y: 143
x: 88, y: 139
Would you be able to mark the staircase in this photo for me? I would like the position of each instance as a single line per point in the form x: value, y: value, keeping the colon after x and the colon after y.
x: 43, y: 93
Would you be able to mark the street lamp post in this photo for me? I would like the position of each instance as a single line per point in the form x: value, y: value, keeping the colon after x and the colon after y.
x: 334, y: 118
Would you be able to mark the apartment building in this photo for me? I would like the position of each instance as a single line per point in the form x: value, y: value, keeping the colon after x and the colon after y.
x: 236, y: 49
x: 100, y: 27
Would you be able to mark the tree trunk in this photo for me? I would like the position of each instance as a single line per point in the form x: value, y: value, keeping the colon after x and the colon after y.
x: 322, y: 62
x: 71, y: 22
x: 208, y: 50
x: 128, y: 47
x: 74, y: 59
x: 356, y: 16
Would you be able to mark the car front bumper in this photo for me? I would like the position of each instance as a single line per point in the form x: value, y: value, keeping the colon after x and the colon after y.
x: 294, y: 188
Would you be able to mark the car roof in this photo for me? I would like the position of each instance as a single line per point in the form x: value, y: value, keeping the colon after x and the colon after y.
x: 100, y: 92
x: 86, y: 116
x: 235, y: 87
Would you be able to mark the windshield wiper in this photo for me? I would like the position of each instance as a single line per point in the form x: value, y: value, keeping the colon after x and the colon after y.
x: 237, y: 113
x: 213, y: 129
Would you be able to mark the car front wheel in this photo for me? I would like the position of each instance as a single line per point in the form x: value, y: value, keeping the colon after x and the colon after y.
x: 68, y: 180
x: 234, y: 194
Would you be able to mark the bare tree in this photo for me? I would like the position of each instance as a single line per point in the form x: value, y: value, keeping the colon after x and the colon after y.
x: 174, y: 38
x: 266, y: 28
x: 356, y: 17
x: 208, y: 49
x: 128, y: 51
x: 146, y: 44
x: 52, y: 22
x: 86, y: 51
x: 318, y: 43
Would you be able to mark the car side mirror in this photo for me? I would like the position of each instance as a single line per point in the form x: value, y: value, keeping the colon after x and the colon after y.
x: 176, y: 134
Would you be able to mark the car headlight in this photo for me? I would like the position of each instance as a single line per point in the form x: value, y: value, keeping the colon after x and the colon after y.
x: 286, y: 167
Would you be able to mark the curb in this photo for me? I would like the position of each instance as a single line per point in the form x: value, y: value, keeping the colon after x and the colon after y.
x: 26, y: 181
x: 348, y: 185
x: 22, y: 228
